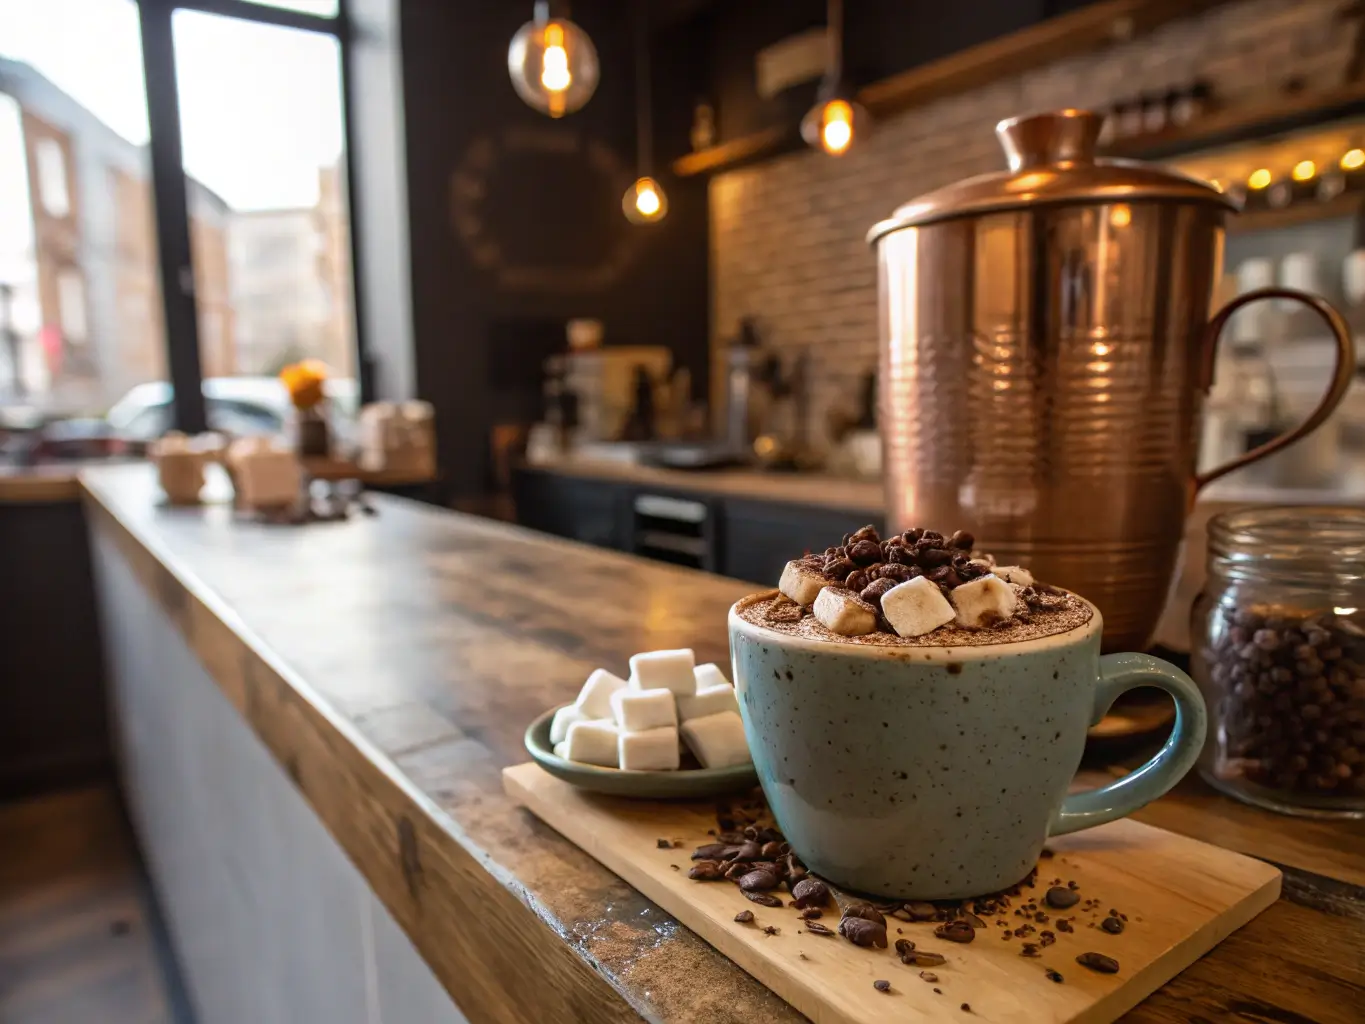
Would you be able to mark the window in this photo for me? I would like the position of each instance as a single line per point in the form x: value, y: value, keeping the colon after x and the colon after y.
x: 51, y: 161
x: 77, y: 248
x: 86, y: 236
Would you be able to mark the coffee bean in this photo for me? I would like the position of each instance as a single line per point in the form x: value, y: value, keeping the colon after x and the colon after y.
x: 1030, y: 949
x: 706, y: 871
x: 810, y: 892
x: 771, y: 930
x: 1099, y: 962
x: 974, y: 921
x: 966, y: 1007
x: 839, y: 568
x: 922, y: 911
x: 858, y: 580
x: 881, y: 985
x: 862, y: 932
x: 962, y: 540
x: 901, y: 915
x: 868, y: 532
x: 865, y: 552
x: 758, y: 881
x: 910, y: 536
x: 872, y: 593
x: 663, y: 844
x: 1054, y: 976
x: 751, y: 850
x: 711, y: 851
x: 744, y: 916
x: 895, y: 572
x: 1060, y: 898
x: 810, y: 914
x: 1112, y: 925
x: 1063, y: 925
x: 904, y: 946
x: 763, y: 899
x: 932, y: 557
x: 772, y: 850
x: 928, y: 976
x: 956, y: 931
x: 866, y: 911
x: 816, y: 928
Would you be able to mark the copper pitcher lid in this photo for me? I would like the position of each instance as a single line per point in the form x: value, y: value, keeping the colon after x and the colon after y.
x: 1051, y: 161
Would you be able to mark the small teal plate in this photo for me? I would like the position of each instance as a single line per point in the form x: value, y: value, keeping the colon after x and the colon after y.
x: 685, y: 784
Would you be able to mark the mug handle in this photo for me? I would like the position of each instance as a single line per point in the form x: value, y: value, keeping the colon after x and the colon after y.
x: 1342, y: 373
x: 1118, y: 674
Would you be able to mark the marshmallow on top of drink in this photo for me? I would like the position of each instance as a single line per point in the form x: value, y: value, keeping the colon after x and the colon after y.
x: 642, y: 723
x: 915, y: 586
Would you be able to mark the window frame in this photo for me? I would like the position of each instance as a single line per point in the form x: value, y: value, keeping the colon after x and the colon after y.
x: 171, y: 202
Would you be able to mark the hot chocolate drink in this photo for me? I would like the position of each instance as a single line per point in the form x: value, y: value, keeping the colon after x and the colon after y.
x: 919, y: 588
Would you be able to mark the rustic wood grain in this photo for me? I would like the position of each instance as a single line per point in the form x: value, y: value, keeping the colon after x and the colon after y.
x: 391, y: 664
x: 75, y: 944
x: 1187, y: 897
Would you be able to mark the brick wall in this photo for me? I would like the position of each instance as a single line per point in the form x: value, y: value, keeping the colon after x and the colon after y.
x: 787, y: 236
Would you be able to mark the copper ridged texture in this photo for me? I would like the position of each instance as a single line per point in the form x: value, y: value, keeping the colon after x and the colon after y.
x: 1038, y: 374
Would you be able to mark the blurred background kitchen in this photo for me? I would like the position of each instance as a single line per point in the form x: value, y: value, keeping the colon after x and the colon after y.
x: 634, y: 291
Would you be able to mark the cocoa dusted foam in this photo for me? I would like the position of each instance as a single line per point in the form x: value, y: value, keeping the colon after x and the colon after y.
x: 916, y: 589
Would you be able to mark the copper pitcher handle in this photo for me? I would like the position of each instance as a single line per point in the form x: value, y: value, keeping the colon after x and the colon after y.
x: 1342, y: 373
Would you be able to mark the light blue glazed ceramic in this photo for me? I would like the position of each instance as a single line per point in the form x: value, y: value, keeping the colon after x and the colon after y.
x: 939, y: 772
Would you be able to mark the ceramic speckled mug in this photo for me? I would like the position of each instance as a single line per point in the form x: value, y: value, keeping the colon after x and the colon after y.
x: 939, y: 772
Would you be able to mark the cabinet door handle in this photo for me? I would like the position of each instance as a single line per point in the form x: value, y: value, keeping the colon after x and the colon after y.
x: 660, y: 506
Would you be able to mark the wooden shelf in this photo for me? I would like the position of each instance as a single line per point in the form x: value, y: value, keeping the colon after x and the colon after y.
x: 1244, y: 123
x: 1080, y: 31
x: 1305, y: 212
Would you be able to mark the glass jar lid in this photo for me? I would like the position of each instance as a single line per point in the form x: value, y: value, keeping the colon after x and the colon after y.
x: 1052, y: 161
x: 1293, y: 543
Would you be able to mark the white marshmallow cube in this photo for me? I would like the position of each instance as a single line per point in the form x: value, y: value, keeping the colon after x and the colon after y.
x: 562, y: 750
x: 594, y: 700
x: 844, y: 612
x: 709, y: 675
x: 801, y: 583
x: 651, y: 750
x: 1015, y: 574
x: 916, y: 607
x: 565, y: 717
x: 671, y: 670
x: 710, y: 700
x: 593, y: 743
x: 717, y: 740
x: 985, y: 601
x: 637, y: 710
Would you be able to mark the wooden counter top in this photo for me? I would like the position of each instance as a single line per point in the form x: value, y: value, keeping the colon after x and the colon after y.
x: 390, y: 665
x: 818, y: 489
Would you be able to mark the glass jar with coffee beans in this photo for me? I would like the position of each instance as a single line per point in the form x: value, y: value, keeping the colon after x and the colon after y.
x: 1278, y: 639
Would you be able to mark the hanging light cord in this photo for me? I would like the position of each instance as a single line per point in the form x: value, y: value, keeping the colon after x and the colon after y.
x: 834, y: 30
x: 644, y: 129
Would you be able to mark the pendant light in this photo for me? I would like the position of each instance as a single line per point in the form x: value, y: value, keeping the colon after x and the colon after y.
x: 644, y: 202
x: 837, y: 118
x: 553, y: 63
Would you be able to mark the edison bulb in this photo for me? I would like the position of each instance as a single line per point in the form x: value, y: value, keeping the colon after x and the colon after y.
x: 832, y: 125
x: 644, y: 202
x: 552, y: 63
x: 1353, y: 159
x: 1259, y: 178
x: 1304, y: 170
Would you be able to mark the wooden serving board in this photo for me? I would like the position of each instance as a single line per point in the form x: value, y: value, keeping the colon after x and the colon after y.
x: 1182, y: 898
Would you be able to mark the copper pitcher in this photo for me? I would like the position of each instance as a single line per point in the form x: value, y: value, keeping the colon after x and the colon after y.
x: 1046, y: 351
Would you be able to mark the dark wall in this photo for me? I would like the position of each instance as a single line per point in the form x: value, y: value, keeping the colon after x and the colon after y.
x: 881, y: 38
x: 516, y: 221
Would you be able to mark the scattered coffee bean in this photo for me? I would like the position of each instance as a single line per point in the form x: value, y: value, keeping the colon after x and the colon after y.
x: 866, y: 911
x: 1099, y: 962
x: 758, y: 881
x: 663, y: 844
x: 1054, y: 976
x: 939, y: 991
x: 771, y: 930
x: 902, y: 915
x: 956, y: 931
x: 881, y: 985
x: 735, y: 871
x: 810, y: 892
x: 974, y: 921
x: 862, y: 932
x: 744, y: 916
x: 966, y: 1007
x: 706, y: 871
x: 1046, y: 938
x: 1112, y: 925
x: 816, y: 928
x: 763, y: 899
x: 922, y: 911
x: 1059, y: 898
x: 1064, y: 924
x: 771, y: 851
x: 904, y: 946
x: 749, y: 851
x: 921, y: 958
x: 928, y: 976
x: 1029, y: 949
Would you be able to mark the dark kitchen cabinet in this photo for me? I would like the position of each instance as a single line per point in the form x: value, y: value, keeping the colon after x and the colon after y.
x: 748, y: 539
x: 762, y: 536
x: 595, y: 512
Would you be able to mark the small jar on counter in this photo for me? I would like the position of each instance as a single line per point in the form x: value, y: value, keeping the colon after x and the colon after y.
x: 1278, y: 648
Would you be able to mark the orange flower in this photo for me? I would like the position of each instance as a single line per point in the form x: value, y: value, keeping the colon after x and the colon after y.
x: 304, y: 382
